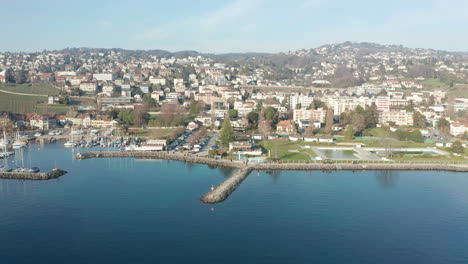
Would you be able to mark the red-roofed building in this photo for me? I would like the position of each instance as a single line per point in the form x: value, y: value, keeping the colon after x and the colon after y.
x: 285, y: 126
x: 457, y: 128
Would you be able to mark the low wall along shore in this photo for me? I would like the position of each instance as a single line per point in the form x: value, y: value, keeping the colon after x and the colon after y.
x: 160, y: 155
x: 222, y: 191
x: 55, y: 173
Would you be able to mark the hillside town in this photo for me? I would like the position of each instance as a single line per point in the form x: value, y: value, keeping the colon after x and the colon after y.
x: 346, y: 90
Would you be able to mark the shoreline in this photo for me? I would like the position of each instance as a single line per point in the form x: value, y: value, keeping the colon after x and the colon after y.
x: 324, y: 165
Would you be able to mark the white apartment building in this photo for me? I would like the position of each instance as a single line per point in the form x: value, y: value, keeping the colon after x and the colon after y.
x: 314, y: 115
x: 104, y: 76
x: 401, y: 118
x: 304, y: 100
x: 383, y: 103
x: 89, y: 86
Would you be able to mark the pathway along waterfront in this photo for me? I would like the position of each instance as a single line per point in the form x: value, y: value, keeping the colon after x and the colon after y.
x: 40, y: 176
x: 222, y: 191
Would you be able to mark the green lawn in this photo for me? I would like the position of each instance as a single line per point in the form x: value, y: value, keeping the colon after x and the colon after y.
x: 433, y: 83
x: 377, y: 132
x: 21, y: 104
x: 58, y: 109
x: 282, y: 150
x: 40, y: 88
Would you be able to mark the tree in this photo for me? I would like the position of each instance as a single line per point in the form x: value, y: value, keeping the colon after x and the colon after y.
x: 233, y: 113
x: 126, y: 116
x: 259, y: 106
x: 419, y: 120
x: 371, y: 116
x: 443, y: 125
x: 21, y: 77
x: 252, y: 118
x: 329, y: 121
x: 148, y: 101
x: 226, y: 135
x: 272, y: 115
x: 9, y: 76
x: 358, y: 122
x: 317, y: 103
x: 195, y: 107
x: 457, y: 147
x: 264, y: 125
x: 349, y: 132
x: 140, y: 115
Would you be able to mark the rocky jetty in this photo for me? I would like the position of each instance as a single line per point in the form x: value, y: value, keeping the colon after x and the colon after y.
x: 40, y: 176
x: 222, y: 191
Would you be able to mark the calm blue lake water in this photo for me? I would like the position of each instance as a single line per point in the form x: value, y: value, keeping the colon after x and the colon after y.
x: 133, y: 211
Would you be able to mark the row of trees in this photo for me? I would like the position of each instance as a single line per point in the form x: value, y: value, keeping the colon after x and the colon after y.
x: 360, y: 118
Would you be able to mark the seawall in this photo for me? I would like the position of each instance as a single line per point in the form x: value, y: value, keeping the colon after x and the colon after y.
x: 40, y: 176
x: 161, y: 155
x: 222, y: 191
x: 362, y: 166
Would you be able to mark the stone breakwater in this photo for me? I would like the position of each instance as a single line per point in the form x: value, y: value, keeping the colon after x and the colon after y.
x: 161, y: 155
x: 276, y: 166
x: 40, y: 176
x: 364, y: 166
x: 222, y: 191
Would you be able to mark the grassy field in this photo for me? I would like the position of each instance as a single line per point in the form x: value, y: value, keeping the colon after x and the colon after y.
x: 20, y: 104
x: 28, y: 104
x: 40, y: 88
x: 282, y: 150
x: 433, y: 84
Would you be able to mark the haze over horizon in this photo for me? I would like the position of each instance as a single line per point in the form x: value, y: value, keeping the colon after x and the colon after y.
x: 233, y: 26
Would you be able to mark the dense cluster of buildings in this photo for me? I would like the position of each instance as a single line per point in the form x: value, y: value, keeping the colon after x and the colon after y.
x: 120, y: 79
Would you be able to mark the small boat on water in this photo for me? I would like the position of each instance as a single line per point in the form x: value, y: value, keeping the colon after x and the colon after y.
x: 38, y: 134
x: 71, y: 143
x: 18, y: 143
x: 4, y: 169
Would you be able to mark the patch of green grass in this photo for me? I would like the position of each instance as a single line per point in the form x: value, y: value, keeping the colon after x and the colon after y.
x: 21, y: 104
x: 433, y: 83
x: 58, y: 109
x: 39, y: 88
x: 377, y: 132
x: 282, y: 150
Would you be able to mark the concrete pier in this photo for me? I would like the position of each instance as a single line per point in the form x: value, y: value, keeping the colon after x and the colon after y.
x: 40, y: 176
x: 222, y: 191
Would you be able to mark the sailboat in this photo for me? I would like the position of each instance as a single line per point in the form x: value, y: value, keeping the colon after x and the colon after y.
x: 4, y: 168
x: 18, y: 143
x: 70, y: 143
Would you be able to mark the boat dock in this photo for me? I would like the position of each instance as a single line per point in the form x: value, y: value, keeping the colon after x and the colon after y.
x: 40, y: 176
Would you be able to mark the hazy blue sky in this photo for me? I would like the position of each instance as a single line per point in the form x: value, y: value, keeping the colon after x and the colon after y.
x: 231, y: 26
